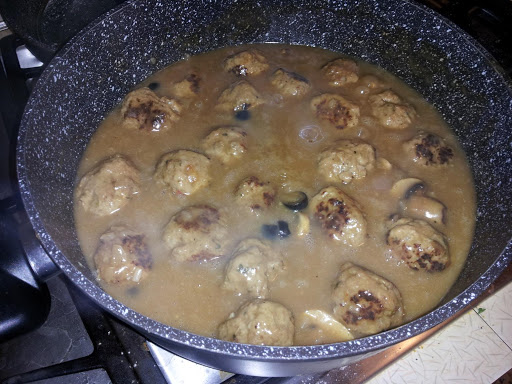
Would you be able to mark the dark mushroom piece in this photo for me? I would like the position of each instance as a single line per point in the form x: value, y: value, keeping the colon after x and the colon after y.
x: 405, y: 188
x: 296, y: 200
x: 272, y: 231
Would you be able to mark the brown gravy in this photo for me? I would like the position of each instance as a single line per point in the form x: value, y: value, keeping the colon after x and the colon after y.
x: 189, y: 295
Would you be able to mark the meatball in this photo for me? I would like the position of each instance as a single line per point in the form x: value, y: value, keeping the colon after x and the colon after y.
x: 240, y: 96
x: 197, y: 233
x: 253, y: 265
x: 260, y: 322
x: 143, y: 110
x: 341, y: 71
x: 255, y: 194
x: 246, y: 63
x: 184, y: 172
x: 226, y: 144
x: 346, y: 161
x: 391, y: 111
x: 109, y: 186
x: 337, y: 110
x: 419, y: 245
x: 429, y: 150
x: 188, y: 88
x: 340, y: 216
x: 365, y: 302
x: 289, y: 83
x: 122, y: 256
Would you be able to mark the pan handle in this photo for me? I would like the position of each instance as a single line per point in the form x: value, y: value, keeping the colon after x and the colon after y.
x: 24, y: 298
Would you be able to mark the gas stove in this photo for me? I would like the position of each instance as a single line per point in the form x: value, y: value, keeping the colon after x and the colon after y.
x: 78, y: 341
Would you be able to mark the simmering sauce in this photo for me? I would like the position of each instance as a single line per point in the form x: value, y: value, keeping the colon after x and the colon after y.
x: 282, y: 125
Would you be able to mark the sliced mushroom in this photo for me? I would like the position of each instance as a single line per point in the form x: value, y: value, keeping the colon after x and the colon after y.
x: 384, y: 164
x: 318, y: 327
x: 405, y: 188
x: 423, y: 207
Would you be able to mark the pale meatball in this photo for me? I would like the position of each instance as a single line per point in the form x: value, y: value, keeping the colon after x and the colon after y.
x: 337, y: 110
x: 109, y: 186
x: 346, y: 161
x: 238, y: 97
x: 429, y: 150
x: 253, y: 266
x: 260, y: 322
x: 255, y: 194
x: 143, y: 110
x: 122, y: 256
x: 226, y: 144
x: 188, y: 88
x: 391, y: 111
x: 365, y: 302
x: 184, y: 172
x: 339, y: 216
x: 289, y: 83
x: 341, y: 71
x: 246, y: 63
x: 419, y: 245
x: 197, y: 233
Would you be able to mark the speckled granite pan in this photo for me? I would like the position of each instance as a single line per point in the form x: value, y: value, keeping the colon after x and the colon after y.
x: 92, y: 73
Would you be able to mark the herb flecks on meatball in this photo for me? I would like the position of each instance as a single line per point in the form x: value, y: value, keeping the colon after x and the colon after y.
x: 109, y: 186
x: 341, y: 71
x: 365, y: 302
x: 252, y: 267
x: 289, y: 83
x: 246, y: 63
x: 429, y: 150
x: 143, y: 110
x: 336, y: 110
x: 254, y: 194
x: 238, y: 97
x: 260, y: 322
x: 226, y: 144
x: 391, y: 111
x: 347, y: 160
x: 420, y: 245
x: 122, y: 256
x: 339, y: 216
x: 183, y: 172
x: 197, y: 233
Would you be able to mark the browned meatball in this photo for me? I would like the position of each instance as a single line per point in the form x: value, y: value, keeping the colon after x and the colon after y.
x: 429, y: 150
x: 391, y: 111
x: 346, y: 161
x: 246, y: 63
x: 122, y: 256
x: 188, y: 88
x: 143, y: 110
x: 365, y: 302
x: 335, y: 109
x: 226, y: 144
x: 184, y: 172
x: 197, y: 233
x: 260, y: 322
x: 255, y: 194
x: 341, y: 71
x: 340, y: 216
x: 419, y: 245
x: 289, y: 83
x: 239, y: 96
x: 109, y: 186
x: 252, y: 267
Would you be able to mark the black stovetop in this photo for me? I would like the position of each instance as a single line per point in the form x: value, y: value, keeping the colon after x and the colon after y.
x: 81, y: 340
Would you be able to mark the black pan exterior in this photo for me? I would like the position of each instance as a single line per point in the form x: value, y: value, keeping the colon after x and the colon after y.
x: 93, y: 73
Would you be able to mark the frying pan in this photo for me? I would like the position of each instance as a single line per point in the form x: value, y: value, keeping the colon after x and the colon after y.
x: 93, y: 72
